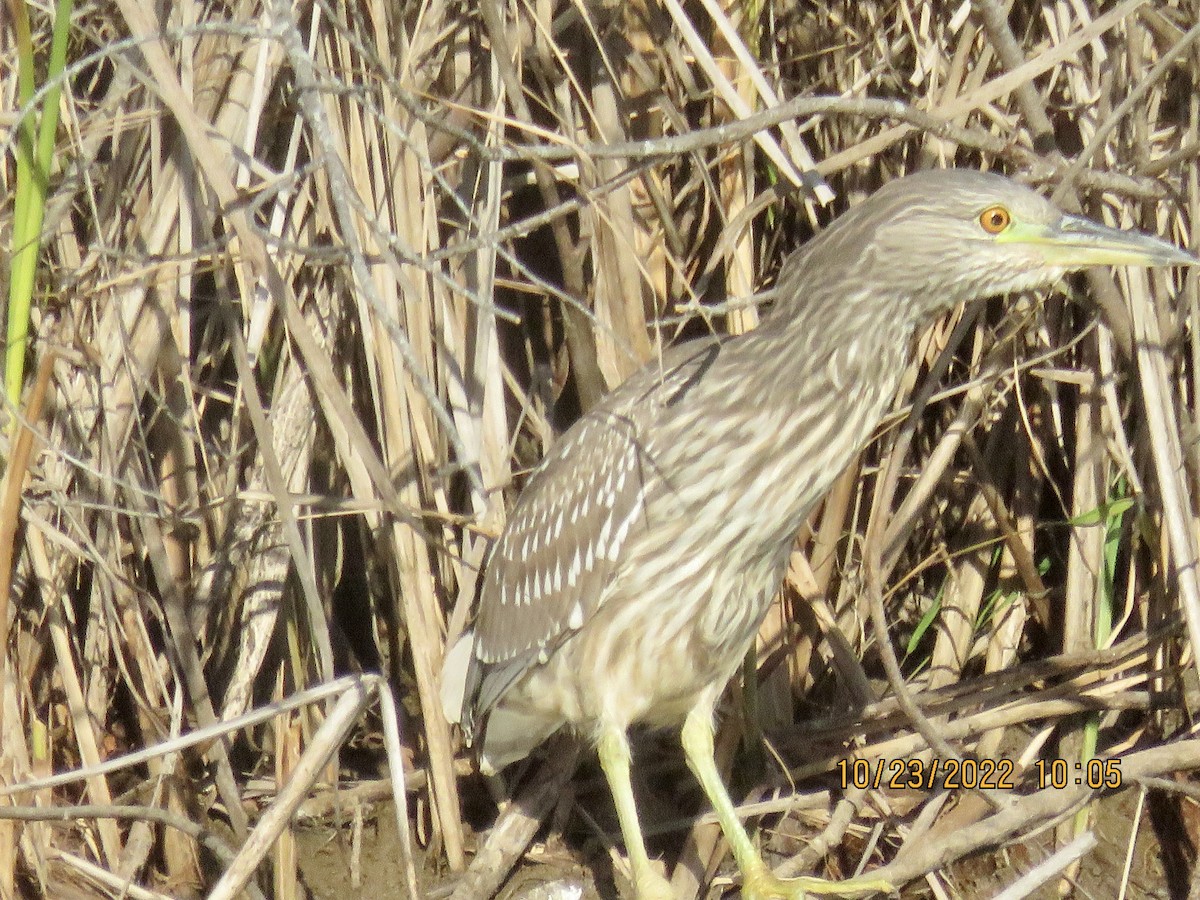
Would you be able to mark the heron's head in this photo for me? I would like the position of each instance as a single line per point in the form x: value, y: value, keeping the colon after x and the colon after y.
x: 942, y: 237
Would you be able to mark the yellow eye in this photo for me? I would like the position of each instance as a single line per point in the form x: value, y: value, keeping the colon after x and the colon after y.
x: 994, y: 219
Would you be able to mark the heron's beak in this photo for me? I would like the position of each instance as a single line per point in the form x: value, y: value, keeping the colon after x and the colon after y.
x: 1075, y: 242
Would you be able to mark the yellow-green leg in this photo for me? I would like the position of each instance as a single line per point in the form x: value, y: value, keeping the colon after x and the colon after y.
x: 758, y: 883
x: 615, y: 760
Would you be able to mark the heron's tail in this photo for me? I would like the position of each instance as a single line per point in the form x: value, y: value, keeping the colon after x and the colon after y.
x: 511, y: 735
x: 455, y: 671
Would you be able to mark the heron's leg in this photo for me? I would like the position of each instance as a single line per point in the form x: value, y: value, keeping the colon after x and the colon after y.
x: 758, y: 883
x: 613, y: 748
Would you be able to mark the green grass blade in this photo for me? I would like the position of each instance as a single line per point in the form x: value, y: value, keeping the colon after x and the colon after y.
x: 34, y: 160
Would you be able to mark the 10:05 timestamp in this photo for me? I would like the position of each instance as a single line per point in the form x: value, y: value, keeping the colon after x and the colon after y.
x: 1096, y: 774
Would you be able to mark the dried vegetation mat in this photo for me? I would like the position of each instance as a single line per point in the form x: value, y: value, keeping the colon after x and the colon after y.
x: 317, y: 285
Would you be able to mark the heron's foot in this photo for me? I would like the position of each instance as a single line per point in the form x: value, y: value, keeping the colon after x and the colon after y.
x: 761, y: 884
x: 649, y: 885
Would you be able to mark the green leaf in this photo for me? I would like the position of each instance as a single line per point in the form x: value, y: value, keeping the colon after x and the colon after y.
x: 927, y: 620
x: 1103, y: 513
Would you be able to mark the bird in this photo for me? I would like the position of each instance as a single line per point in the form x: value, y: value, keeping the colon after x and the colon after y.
x: 640, y: 559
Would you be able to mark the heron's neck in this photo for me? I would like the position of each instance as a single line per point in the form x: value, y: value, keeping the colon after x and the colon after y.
x: 802, y: 393
x: 835, y: 341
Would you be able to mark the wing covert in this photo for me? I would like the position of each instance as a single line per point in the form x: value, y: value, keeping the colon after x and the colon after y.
x: 548, y: 573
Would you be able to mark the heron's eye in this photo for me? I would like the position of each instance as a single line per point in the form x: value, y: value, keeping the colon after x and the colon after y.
x: 994, y: 219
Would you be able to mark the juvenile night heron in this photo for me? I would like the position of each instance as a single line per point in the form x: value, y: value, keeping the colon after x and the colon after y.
x: 641, y: 558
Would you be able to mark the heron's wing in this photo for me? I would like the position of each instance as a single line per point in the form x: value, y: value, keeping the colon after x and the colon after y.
x: 548, y: 572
